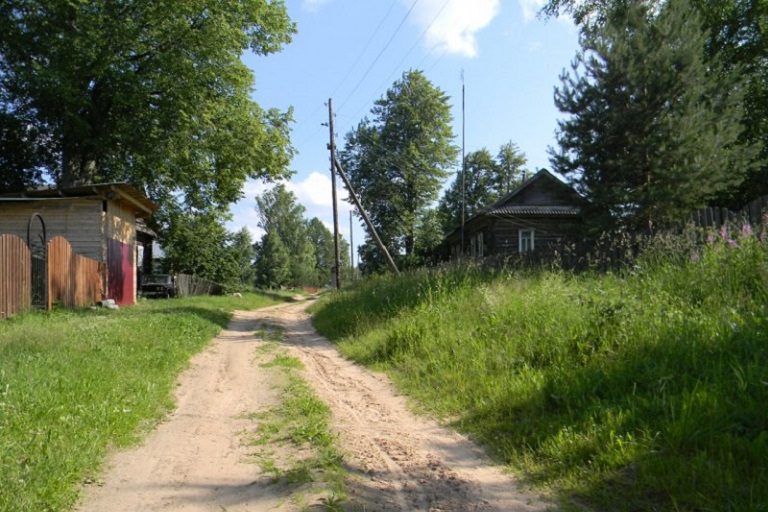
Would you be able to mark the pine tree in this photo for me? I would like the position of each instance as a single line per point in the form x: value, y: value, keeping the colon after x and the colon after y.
x: 654, y: 124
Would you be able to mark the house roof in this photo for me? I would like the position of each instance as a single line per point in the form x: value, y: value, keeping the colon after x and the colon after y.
x: 120, y: 191
x: 519, y: 203
x: 535, y: 210
x: 543, y: 174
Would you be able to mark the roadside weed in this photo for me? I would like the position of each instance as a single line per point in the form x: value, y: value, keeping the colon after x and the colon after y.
x: 635, y: 390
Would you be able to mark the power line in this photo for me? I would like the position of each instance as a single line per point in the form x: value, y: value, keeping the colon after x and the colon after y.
x: 362, y: 52
x: 365, y: 75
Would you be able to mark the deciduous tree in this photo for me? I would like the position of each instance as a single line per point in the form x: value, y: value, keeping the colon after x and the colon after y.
x: 151, y: 92
x: 279, y: 212
x: 398, y: 159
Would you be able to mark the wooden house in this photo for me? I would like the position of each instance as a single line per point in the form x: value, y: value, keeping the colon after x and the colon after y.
x: 98, y: 221
x: 534, y: 219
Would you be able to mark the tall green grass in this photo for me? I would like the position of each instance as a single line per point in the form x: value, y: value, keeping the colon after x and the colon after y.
x: 74, y: 383
x: 644, y: 390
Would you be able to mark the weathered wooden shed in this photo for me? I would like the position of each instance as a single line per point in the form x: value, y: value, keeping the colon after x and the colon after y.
x: 536, y: 217
x: 99, y: 222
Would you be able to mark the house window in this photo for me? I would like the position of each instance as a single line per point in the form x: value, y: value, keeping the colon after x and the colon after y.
x: 526, y: 238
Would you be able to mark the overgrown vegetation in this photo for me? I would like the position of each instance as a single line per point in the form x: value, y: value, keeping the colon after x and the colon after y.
x: 73, y: 383
x: 639, y: 390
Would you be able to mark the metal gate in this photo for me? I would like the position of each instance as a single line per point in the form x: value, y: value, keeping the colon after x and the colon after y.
x: 37, y: 242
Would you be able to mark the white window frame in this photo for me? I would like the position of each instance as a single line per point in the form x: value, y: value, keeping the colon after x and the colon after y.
x: 526, y: 237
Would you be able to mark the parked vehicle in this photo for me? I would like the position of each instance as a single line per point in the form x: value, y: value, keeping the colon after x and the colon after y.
x: 159, y: 285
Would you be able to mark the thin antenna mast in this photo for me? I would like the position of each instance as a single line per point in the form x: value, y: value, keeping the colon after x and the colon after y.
x: 463, y: 167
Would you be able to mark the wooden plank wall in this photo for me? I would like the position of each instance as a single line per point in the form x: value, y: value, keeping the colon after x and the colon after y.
x: 15, y: 276
x: 79, y: 220
x: 73, y: 280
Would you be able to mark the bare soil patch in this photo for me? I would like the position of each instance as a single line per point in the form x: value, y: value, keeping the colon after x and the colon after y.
x: 197, y: 460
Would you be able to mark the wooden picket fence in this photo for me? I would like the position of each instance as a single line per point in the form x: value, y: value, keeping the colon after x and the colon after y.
x: 15, y: 276
x: 72, y: 280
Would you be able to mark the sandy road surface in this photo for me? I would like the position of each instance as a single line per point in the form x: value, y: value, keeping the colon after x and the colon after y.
x: 196, y: 461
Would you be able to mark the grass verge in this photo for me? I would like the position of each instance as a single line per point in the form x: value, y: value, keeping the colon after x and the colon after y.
x: 644, y: 390
x: 74, y: 383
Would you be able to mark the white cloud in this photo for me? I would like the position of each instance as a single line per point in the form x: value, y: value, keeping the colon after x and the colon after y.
x: 313, y: 192
x: 531, y: 8
x: 453, y: 24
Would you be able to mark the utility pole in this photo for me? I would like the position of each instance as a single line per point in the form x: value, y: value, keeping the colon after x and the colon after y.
x: 351, y: 249
x: 332, y: 148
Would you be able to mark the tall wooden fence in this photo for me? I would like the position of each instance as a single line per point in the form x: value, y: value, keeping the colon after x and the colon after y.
x: 754, y: 214
x: 15, y: 276
x: 73, y: 280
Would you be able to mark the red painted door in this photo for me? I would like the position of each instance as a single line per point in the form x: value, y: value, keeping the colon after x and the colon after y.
x: 120, y: 270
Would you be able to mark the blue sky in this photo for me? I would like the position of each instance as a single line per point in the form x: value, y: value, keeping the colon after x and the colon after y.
x: 353, y: 50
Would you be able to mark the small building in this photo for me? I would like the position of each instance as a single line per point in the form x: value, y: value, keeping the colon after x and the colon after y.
x: 98, y: 221
x: 535, y: 219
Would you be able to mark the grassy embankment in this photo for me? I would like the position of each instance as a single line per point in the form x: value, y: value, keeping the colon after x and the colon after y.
x: 646, y: 390
x: 73, y: 383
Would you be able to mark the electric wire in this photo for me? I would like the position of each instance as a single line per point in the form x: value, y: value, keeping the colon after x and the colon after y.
x: 367, y: 71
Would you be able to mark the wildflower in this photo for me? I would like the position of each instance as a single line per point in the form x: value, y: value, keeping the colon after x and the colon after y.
x: 724, y: 232
x: 746, y: 230
x: 733, y: 243
x: 710, y: 239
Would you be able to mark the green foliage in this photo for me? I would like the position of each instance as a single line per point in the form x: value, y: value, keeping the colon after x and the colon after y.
x: 734, y: 31
x: 281, y: 214
x: 635, y: 391
x: 243, y: 254
x: 153, y: 93
x: 654, y: 127
x: 486, y: 180
x: 273, y: 262
x: 197, y: 243
x: 397, y: 161
x: 74, y: 383
x: 321, y: 239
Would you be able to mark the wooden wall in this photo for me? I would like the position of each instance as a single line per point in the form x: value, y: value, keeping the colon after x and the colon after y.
x: 504, y: 234
x: 78, y: 220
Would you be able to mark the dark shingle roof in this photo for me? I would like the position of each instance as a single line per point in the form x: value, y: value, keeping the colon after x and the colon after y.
x: 527, y: 209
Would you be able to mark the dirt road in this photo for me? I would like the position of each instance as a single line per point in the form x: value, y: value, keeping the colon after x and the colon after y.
x: 197, y: 460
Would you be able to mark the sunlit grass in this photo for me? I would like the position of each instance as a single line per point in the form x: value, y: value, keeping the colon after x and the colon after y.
x: 73, y: 383
x: 643, y: 390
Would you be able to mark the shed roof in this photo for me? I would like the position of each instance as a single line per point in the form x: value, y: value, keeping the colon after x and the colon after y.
x: 119, y: 191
